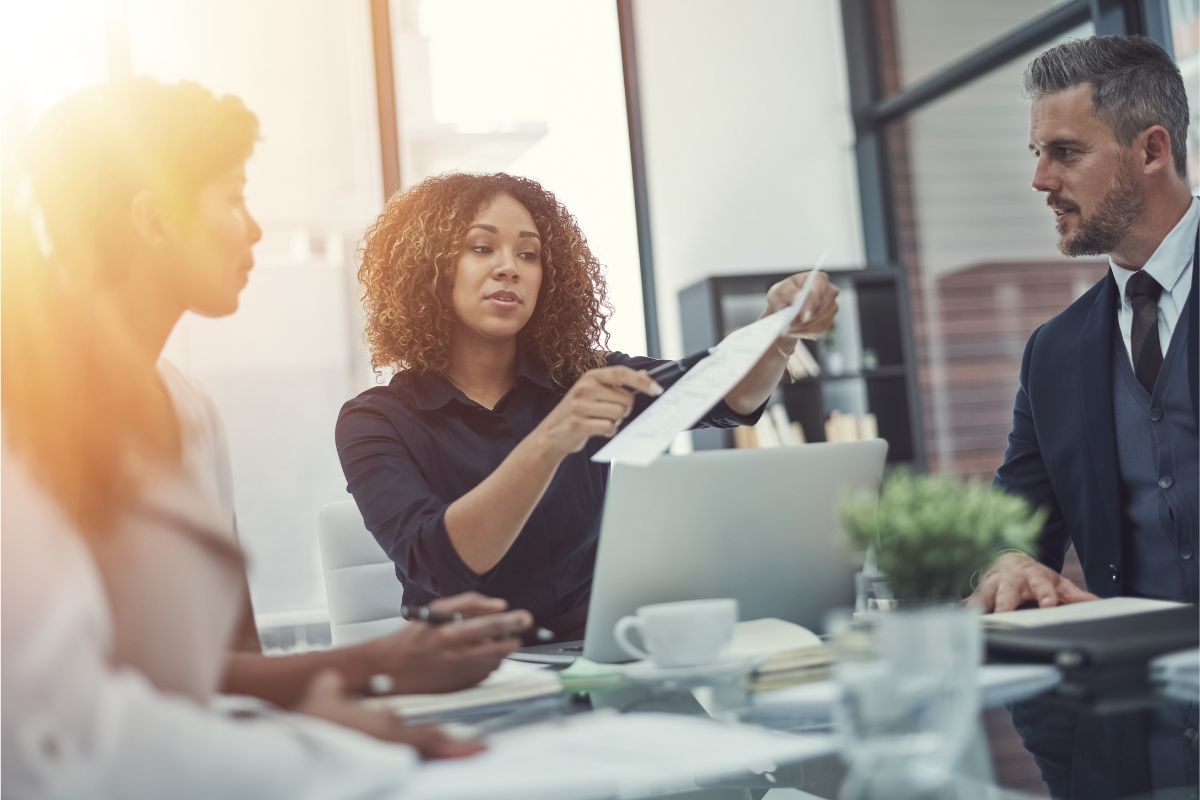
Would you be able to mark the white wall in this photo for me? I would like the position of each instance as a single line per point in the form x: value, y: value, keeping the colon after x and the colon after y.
x: 281, y: 367
x: 749, y: 141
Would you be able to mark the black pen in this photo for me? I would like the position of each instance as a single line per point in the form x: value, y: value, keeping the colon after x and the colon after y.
x: 672, y: 370
x: 428, y: 615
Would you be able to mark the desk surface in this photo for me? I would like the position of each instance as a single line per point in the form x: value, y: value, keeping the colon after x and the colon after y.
x: 644, y: 741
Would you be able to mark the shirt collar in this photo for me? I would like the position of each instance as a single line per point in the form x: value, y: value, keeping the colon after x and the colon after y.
x: 432, y: 391
x: 529, y: 368
x: 1169, y: 261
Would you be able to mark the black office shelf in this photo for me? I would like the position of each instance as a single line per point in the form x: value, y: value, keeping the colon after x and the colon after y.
x: 866, y: 366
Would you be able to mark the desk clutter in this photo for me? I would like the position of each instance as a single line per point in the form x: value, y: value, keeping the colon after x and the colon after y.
x: 769, y: 692
x: 766, y: 654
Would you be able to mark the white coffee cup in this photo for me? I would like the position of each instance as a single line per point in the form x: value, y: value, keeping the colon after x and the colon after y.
x: 685, y: 634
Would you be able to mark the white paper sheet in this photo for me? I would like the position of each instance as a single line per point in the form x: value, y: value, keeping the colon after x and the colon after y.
x: 700, y: 388
x: 604, y: 754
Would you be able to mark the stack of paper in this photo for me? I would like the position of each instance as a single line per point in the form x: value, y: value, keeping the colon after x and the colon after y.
x: 514, y: 681
x: 1178, y: 674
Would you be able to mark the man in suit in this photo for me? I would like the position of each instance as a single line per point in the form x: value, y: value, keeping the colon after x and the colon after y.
x: 1104, y: 429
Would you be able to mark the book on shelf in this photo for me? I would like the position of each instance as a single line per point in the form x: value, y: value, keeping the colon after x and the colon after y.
x: 840, y: 427
x: 801, y: 364
x: 773, y: 429
x: 789, y: 433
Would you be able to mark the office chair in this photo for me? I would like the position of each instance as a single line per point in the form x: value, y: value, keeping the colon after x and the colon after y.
x: 360, y: 580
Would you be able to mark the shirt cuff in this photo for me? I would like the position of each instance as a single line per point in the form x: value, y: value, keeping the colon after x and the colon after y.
x: 449, y: 574
x: 722, y: 416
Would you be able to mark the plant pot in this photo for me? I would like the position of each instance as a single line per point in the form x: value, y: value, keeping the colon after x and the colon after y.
x: 909, y: 701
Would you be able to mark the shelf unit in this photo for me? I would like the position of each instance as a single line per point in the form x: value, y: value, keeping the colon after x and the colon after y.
x: 867, y: 362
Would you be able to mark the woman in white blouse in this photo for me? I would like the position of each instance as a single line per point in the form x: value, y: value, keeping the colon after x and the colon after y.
x: 123, y: 585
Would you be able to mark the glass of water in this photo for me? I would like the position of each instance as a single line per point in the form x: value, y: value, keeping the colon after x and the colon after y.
x: 908, y: 700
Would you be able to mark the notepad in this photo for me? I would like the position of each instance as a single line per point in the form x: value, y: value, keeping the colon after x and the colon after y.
x: 789, y: 654
x: 512, y: 682
x: 1100, y: 640
x: 1075, y: 612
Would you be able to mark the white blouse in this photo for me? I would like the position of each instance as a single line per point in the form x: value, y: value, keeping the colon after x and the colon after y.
x: 82, y: 719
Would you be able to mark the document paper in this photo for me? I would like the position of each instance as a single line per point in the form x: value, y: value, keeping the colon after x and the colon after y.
x: 605, y: 755
x: 700, y: 388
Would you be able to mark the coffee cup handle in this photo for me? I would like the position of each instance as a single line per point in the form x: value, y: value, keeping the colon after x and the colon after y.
x: 621, y: 634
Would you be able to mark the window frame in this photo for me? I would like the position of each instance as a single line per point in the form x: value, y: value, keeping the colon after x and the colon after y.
x: 872, y: 110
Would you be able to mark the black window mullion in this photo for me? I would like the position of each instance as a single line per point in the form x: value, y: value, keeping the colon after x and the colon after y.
x: 982, y: 61
x: 870, y: 147
x: 637, y: 160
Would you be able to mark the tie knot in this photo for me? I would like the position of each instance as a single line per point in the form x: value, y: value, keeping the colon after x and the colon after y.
x: 1142, y: 285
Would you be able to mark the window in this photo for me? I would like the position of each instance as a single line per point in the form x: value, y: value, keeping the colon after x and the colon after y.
x: 980, y: 251
x: 280, y: 368
x: 1185, y: 38
x: 924, y: 36
x: 534, y: 88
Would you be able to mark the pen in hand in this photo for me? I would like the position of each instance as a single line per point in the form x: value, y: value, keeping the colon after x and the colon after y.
x: 383, y: 684
x: 668, y: 373
x: 431, y: 617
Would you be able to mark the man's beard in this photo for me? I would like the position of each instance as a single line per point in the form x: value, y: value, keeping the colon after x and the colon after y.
x: 1100, y: 233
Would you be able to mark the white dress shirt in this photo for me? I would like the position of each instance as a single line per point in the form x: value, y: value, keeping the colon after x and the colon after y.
x: 1171, y: 265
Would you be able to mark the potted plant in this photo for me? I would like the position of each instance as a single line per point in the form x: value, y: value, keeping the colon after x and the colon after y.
x: 930, y: 533
x: 914, y: 681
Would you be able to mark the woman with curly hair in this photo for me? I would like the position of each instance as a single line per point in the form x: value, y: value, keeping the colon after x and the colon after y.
x: 472, y: 467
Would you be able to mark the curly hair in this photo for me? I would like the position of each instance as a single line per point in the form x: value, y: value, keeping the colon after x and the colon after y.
x: 407, y: 273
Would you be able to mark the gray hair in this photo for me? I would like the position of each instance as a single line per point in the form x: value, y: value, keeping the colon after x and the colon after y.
x: 1135, y: 85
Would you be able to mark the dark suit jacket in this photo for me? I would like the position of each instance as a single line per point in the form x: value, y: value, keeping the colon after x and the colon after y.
x: 1062, y: 456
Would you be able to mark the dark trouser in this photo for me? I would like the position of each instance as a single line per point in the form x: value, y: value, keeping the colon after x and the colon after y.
x: 1084, y: 756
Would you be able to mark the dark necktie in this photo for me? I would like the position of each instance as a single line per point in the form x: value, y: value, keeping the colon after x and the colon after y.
x: 1143, y: 292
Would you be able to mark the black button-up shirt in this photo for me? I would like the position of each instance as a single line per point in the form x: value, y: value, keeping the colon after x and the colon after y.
x: 411, y: 448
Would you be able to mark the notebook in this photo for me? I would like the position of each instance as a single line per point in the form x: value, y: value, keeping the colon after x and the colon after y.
x: 1075, y: 612
x: 1099, y: 640
x: 788, y: 653
x: 513, y: 682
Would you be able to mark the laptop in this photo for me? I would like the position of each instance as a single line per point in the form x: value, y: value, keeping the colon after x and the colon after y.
x: 759, y: 525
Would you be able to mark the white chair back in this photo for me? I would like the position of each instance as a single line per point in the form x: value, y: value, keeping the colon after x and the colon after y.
x: 360, y: 580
